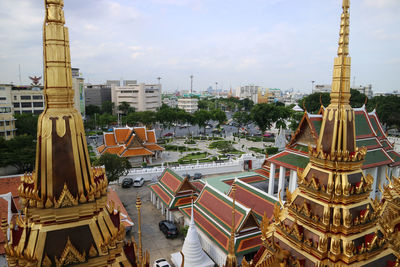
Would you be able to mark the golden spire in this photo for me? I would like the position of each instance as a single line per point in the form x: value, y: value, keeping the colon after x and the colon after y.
x: 231, y: 258
x: 337, y: 133
x: 62, y: 170
x: 138, y: 205
x: 340, y: 93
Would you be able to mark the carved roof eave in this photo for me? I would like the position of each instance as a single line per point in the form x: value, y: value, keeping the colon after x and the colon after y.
x: 298, y: 130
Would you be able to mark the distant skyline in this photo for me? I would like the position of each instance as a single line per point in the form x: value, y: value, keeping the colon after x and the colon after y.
x: 272, y: 43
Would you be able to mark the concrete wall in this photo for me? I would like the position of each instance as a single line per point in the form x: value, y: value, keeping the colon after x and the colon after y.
x: 150, y: 174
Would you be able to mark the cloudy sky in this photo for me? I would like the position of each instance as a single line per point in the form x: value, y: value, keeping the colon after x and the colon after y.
x: 273, y: 43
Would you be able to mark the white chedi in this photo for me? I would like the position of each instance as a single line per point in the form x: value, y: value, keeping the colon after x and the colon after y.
x: 192, y: 250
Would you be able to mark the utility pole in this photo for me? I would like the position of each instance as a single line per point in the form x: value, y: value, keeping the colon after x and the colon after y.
x: 191, y: 85
x: 216, y: 87
x: 159, y: 79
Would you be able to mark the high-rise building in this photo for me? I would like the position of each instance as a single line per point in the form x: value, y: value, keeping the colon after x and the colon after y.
x: 96, y: 94
x: 7, y: 121
x: 141, y: 97
x: 188, y: 104
x: 79, y: 92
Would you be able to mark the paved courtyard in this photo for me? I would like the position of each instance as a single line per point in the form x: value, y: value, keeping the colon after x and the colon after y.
x: 153, y: 239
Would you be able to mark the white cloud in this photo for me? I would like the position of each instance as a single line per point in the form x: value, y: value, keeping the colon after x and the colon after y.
x: 382, y: 3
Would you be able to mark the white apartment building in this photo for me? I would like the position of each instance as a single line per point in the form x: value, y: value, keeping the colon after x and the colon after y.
x: 326, y: 88
x: 188, y: 104
x: 27, y: 100
x: 7, y: 121
x: 248, y: 91
x: 141, y: 97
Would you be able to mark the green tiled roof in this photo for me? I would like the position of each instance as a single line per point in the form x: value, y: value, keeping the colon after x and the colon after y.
x: 366, y: 143
x: 362, y: 126
x: 219, y: 184
x: 301, y: 148
x: 394, y: 156
x: 294, y: 160
x: 375, y: 156
x: 375, y: 126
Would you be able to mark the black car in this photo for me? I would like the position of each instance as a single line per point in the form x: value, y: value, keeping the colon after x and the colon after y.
x: 197, y: 176
x: 127, y: 182
x: 168, y: 228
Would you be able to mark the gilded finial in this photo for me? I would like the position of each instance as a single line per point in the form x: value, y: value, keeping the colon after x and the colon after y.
x: 231, y: 258
x: 138, y: 205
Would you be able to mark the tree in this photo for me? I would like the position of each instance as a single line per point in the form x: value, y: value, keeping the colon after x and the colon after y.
x: 165, y: 116
x: 247, y: 104
x: 219, y: 115
x: 106, y: 119
x: 125, y: 108
x: 357, y: 99
x: 201, y: 117
x: 115, y: 166
x: 386, y: 108
x: 312, y: 102
x: 264, y: 115
x: 91, y: 110
x: 19, y: 152
x: 26, y: 123
x: 147, y: 118
x: 241, y: 118
x: 107, y: 107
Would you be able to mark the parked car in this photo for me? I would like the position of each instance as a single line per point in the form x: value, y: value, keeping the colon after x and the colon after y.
x: 161, y: 263
x: 127, y: 182
x: 138, y: 182
x: 168, y: 134
x: 168, y: 228
x: 197, y: 176
x: 268, y: 134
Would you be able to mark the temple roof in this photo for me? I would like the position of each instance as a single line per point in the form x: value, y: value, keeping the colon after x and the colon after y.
x: 369, y: 133
x: 173, y: 190
x: 130, y: 142
x: 213, y: 216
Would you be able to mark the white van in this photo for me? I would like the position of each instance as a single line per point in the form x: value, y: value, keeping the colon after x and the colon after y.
x: 138, y: 182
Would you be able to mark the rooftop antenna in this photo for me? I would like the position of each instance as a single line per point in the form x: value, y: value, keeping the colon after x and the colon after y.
x: 19, y: 74
x: 312, y: 86
x: 191, y: 85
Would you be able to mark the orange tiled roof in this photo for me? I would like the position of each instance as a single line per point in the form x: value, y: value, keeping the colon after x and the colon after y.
x: 113, y: 150
x: 101, y: 148
x: 124, y: 216
x: 11, y: 184
x: 109, y: 139
x: 141, y: 133
x: 3, y: 214
x: 154, y: 147
x: 121, y: 134
x: 131, y: 152
x: 151, y: 136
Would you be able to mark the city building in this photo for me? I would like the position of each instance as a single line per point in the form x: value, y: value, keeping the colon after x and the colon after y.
x: 170, y: 101
x: 141, y: 97
x: 27, y: 99
x: 326, y: 88
x: 188, y: 104
x: 262, y: 96
x: 79, y: 92
x: 137, y: 144
x: 7, y: 121
x: 67, y: 219
x: 96, y: 94
x: 248, y: 91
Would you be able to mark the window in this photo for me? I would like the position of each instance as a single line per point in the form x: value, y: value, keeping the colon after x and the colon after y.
x: 16, y: 105
x: 36, y: 97
x: 15, y: 97
x: 5, y: 110
x: 25, y: 111
x: 126, y: 92
x: 37, y: 111
x: 3, y: 98
x: 8, y: 133
x: 26, y: 104
x: 1, y: 123
x: 25, y: 97
x: 38, y: 104
x: 7, y: 123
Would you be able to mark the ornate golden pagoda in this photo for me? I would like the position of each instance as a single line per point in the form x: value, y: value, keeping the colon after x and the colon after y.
x: 329, y: 220
x: 67, y: 219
